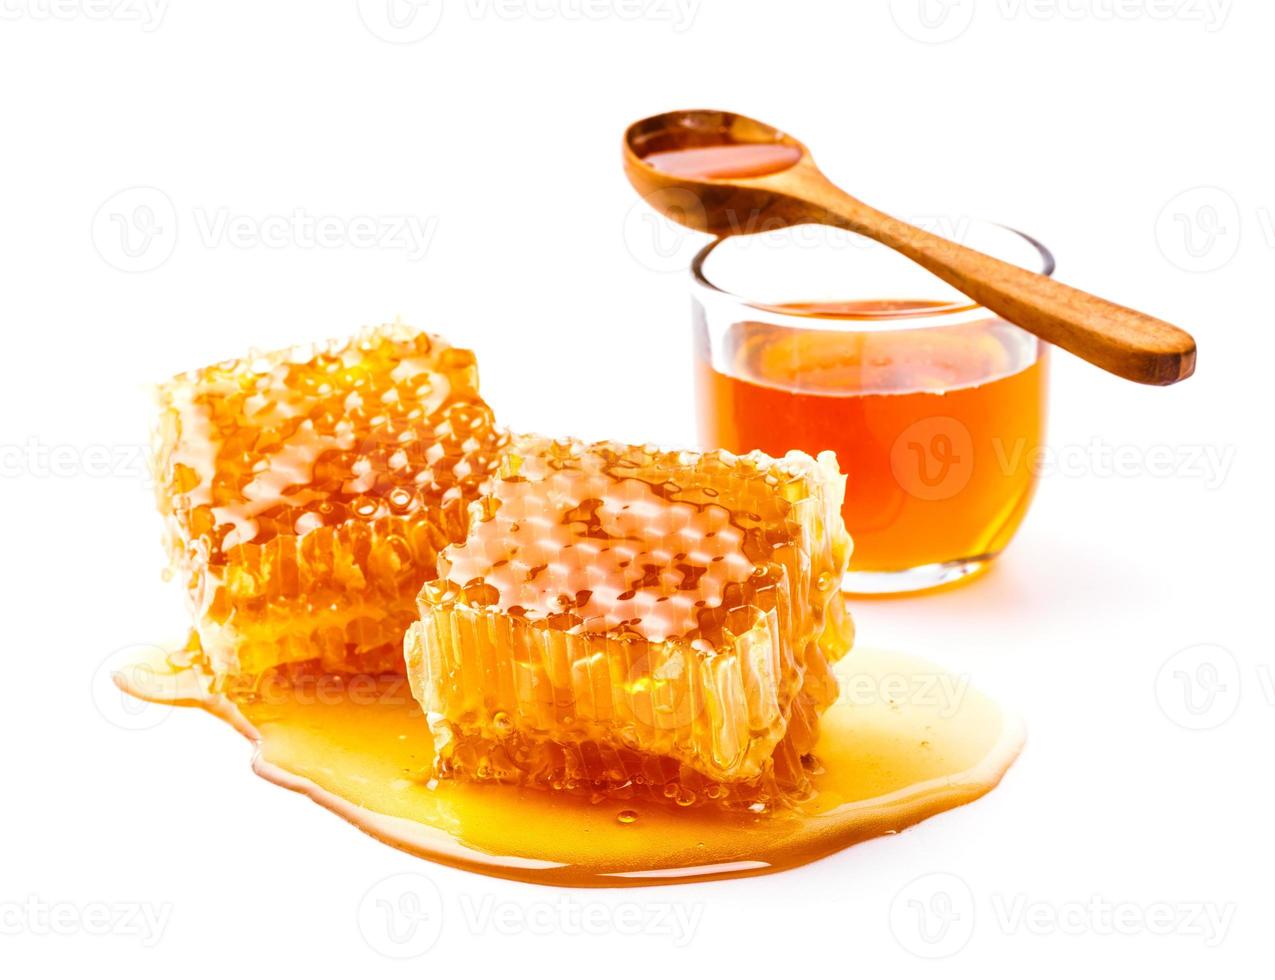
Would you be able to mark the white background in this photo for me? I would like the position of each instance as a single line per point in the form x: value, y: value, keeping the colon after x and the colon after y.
x: 1086, y: 122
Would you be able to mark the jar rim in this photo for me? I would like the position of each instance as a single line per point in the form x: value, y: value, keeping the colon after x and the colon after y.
x: 899, y: 317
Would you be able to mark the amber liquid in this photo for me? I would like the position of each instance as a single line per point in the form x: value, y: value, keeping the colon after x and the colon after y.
x: 725, y: 160
x: 936, y: 429
x: 905, y: 741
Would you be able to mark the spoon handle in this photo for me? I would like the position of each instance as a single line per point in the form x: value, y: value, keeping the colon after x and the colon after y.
x: 1120, y: 340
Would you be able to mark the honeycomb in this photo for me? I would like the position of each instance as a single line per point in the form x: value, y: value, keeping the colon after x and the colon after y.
x: 307, y: 493
x: 624, y: 621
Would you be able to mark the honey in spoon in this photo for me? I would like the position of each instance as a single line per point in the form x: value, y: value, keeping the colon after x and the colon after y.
x: 725, y: 160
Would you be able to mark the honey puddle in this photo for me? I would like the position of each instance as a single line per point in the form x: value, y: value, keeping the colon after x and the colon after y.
x: 905, y: 741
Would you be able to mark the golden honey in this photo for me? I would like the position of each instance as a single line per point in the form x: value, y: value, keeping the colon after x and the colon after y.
x: 360, y: 748
x: 626, y: 621
x: 307, y: 492
x: 725, y: 160
x: 939, y: 467
x: 622, y: 655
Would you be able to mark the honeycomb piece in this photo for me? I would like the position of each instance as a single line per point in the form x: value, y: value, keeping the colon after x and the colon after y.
x: 623, y: 620
x: 307, y: 492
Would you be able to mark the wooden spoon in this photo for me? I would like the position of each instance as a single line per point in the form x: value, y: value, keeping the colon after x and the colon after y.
x: 1125, y: 342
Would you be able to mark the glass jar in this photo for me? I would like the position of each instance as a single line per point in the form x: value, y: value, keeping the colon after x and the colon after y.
x: 813, y: 338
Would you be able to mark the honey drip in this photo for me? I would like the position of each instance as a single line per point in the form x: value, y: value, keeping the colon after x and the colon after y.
x: 359, y: 746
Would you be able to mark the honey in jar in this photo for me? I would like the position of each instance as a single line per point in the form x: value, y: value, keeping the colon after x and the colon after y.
x: 935, y: 409
x: 938, y: 468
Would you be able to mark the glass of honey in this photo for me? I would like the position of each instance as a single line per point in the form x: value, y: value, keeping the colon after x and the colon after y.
x: 812, y: 338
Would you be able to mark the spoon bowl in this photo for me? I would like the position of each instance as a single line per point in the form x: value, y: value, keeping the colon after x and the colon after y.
x: 730, y: 206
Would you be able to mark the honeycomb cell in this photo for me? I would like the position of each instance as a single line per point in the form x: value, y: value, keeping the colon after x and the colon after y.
x: 307, y: 492
x: 623, y: 620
